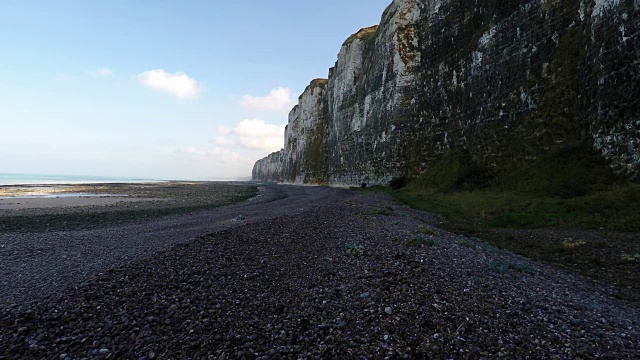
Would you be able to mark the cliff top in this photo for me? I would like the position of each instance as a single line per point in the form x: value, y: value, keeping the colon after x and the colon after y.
x: 362, y: 34
x: 318, y: 82
x: 315, y: 83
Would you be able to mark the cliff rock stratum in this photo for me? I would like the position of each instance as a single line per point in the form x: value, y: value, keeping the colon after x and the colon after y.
x: 511, y: 89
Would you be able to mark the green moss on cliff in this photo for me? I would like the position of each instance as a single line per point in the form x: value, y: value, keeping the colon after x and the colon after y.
x: 316, y: 154
x: 294, y: 172
x: 407, y: 39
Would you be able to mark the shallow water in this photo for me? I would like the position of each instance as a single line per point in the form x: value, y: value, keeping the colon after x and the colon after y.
x: 32, y: 179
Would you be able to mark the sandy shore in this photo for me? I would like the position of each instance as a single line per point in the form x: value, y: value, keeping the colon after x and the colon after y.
x: 67, y: 201
x: 53, y: 190
x: 13, y: 197
x: 76, y: 206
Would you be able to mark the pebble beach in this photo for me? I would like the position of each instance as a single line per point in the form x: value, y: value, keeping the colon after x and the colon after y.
x: 296, y: 272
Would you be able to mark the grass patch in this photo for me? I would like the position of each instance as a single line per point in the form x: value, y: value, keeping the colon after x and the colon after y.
x: 386, y: 211
x: 499, y: 267
x: 614, y: 209
x: 430, y: 202
x: 486, y: 247
x: 503, y: 268
x: 356, y: 250
x: 635, y: 258
x: 419, y: 241
x: 570, y: 244
x: 363, y: 34
x: 425, y: 230
x: 466, y: 243
x: 519, y: 268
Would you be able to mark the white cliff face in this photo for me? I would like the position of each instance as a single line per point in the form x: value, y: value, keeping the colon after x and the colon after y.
x: 367, y: 83
x: 304, y: 148
x: 601, y: 6
x: 342, y: 103
x: 441, y: 75
x: 291, y: 138
x: 402, y: 29
x: 346, y: 73
x: 270, y: 168
x: 345, y: 105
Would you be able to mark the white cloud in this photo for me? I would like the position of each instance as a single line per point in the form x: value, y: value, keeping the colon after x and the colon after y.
x: 222, y: 140
x: 223, y: 130
x: 101, y: 72
x: 177, y: 84
x: 252, y: 134
x: 278, y: 100
x: 214, y: 162
x: 218, y: 152
x: 232, y: 152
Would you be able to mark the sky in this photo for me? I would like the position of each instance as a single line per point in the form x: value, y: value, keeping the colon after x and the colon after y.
x: 159, y: 89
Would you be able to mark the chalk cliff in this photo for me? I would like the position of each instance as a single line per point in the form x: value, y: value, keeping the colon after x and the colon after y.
x: 508, y: 82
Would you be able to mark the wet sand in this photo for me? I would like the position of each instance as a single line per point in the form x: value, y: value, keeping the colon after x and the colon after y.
x: 71, y: 190
x: 74, y: 206
x: 67, y: 201
x: 14, y: 197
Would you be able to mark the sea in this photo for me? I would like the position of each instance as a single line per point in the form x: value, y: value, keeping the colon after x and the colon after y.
x: 35, y: 179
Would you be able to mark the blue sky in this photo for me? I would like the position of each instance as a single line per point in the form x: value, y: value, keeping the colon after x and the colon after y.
x: 160, y: 89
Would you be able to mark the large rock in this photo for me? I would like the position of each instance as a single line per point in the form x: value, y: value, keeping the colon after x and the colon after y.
x: 509, y: 82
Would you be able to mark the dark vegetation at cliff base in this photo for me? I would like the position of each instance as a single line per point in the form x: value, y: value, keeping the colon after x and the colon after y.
x: 568, y: 210
x: 565, y: 173
x: 571, y: 187
x: 615, y: 209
